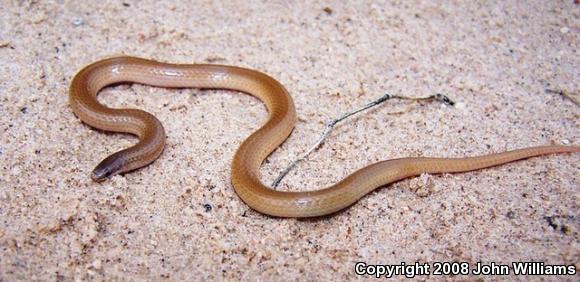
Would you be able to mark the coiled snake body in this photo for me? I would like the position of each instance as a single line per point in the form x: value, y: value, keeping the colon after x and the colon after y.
x: 252, y: 152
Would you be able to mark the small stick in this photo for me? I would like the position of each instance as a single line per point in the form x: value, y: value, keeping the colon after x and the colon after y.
x: 330, y: 125
x: 564, y: 93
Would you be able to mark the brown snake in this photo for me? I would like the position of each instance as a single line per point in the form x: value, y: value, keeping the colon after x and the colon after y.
x: 252, y: 152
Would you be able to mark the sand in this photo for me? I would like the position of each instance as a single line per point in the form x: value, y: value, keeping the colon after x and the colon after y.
x: 180, y: 219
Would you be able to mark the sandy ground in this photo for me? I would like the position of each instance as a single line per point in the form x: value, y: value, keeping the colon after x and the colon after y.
x: 179, y: 218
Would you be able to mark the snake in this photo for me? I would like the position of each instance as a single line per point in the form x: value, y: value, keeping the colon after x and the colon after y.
x: 245, y: 176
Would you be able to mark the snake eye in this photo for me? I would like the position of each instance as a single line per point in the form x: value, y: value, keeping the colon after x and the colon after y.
x: 100, y: 175
x: 110, y: 166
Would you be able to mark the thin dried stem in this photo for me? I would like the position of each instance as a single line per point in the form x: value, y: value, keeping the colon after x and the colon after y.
x: 564, y: 93
x: 330, y: 125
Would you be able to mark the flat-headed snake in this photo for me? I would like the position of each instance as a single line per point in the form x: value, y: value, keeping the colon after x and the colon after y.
x: 252, y: 152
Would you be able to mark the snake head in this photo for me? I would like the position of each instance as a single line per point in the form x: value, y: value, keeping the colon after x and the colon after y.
x: 109, y: 167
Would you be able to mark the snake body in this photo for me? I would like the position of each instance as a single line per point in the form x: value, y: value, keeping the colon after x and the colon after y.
x: 253, y: 151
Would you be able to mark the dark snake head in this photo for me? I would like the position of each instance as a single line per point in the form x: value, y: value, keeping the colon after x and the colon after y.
x: 109, y: 167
